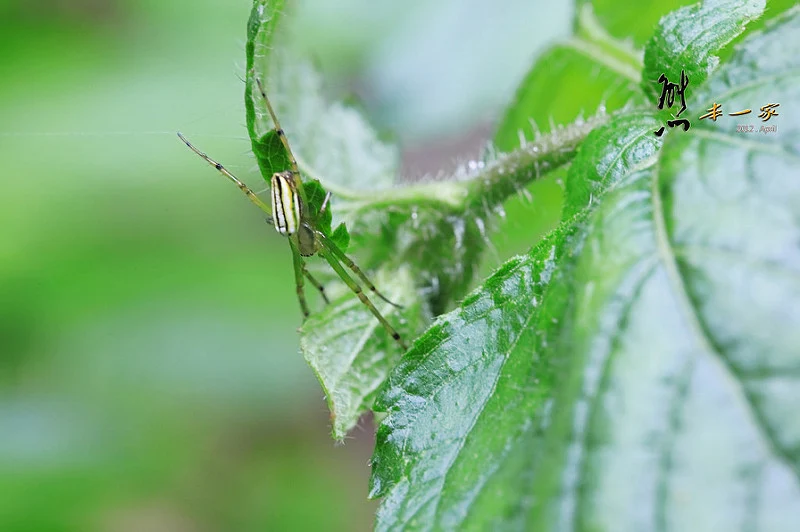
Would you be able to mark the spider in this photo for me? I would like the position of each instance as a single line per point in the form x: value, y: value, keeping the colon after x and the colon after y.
x: 291, y: 216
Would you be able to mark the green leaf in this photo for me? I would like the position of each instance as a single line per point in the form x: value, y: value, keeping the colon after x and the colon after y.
x: 341, y: 237
x: 636, y: 23
x: 331, y: 142
x: 267, y: 147
x: 688, y: 39
x: 459, y: 429
x: 315, y: 195
x: 638, y: 369
x: 566, y: 83
x: 590, y: 71
x: 350, y: 351
x: 628, y: 140
x: 775, y: 8
x: 444, y: 401
x: 270, y: 154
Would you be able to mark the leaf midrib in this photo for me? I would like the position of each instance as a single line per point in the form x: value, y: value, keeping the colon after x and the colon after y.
x: 597, y: 54
x: 698, y: 331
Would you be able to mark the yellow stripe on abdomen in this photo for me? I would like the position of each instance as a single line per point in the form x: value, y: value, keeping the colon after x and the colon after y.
x: 285, y: 203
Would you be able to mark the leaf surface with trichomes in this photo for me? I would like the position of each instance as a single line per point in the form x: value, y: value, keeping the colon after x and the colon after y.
x: 637, y: 369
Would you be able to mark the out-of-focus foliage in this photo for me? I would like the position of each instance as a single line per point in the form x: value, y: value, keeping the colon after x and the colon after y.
x: 149, y: 367
x: 429, y: 68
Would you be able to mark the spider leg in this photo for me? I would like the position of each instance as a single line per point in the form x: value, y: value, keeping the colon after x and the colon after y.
x: 316, y: 284
x: 325, y: 203
x: 337, y: 267
x: 299, y: 268
x: 328, y: 244
x: 224, y: 171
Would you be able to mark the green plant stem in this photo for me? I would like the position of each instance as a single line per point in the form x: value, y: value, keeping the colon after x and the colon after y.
x: 513, y: 171
x: 490, y: 183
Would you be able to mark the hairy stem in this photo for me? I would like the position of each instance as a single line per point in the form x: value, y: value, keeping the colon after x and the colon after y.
x: 482, y: 185
x: 513, y: 171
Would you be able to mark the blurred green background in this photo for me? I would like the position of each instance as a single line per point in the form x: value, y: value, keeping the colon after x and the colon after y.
x: 149, y: 369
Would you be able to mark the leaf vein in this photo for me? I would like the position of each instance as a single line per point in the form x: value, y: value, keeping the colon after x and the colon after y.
x: 666, y: 464
x: 737, y: 255
x: 723, y: 136
x: 602, y: 381
x: 595, y: 53
x: 759, y: 81
x: 697, y: 329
